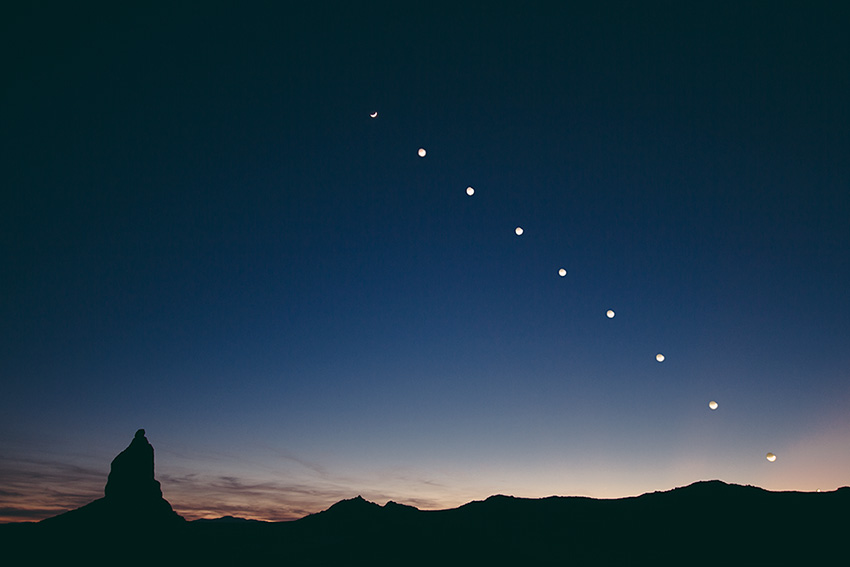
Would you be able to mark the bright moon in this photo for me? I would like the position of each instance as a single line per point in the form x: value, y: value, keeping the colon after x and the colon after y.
x: 712, y: 404
x: 770, y: 457
x: 562, y: 272
x: 470, y: 191
x: 374, y: 115
x: 518, y: 230
x: 610, y: 313
x: 659, y: 357
x: 421, y: 152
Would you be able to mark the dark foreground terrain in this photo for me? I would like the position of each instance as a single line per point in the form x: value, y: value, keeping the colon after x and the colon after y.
x: 706, y: 522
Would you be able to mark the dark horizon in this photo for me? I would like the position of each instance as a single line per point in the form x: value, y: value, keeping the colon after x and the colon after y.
x: 205, y: 232
x: 132, y: 487
x: 706, y: 519
x: 73, y: 514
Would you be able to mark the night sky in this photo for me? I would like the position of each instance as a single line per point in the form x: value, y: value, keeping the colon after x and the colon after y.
x: 206, y: 235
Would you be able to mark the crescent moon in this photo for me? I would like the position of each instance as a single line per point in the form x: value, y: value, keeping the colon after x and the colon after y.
x: 374, y: 115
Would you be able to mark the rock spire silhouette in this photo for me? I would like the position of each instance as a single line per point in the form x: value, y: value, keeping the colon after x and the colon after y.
x: 131, y: 473
x: 132, y: 495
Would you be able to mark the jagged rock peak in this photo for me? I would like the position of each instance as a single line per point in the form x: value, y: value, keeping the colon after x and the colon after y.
x: 133, y: 496
x: 131, y: 475
x: 353, y: 504
x: 356, y: 501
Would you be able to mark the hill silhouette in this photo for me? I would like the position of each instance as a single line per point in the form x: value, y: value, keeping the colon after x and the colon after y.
x: 705, y: 522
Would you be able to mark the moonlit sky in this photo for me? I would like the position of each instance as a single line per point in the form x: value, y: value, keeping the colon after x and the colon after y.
x: 206, y: 235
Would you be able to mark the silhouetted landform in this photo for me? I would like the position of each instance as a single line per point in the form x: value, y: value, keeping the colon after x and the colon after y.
x: 132, y: 495
x: 229, y: 520
x: 705, y: 522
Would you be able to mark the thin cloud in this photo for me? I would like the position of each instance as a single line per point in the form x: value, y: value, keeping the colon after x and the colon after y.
x: 34, y: 489
x: 217, y: 495
x: 10, y: 514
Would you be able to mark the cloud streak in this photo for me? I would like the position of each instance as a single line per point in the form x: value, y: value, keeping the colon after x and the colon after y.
x: 34, y: 489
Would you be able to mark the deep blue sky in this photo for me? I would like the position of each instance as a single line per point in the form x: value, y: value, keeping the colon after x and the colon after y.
x: 206, y: 235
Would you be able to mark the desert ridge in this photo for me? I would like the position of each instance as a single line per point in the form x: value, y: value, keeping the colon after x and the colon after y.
x: 690, y: 525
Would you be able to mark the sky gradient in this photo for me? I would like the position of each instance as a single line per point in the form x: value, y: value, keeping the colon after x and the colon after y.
x: 206, y: 235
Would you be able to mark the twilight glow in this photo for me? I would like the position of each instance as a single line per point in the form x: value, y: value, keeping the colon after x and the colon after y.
x: 208, y: 234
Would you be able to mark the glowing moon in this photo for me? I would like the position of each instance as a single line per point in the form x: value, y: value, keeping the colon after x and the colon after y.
x: 470, y: 191
x: 712, y: 404
x: 374, y: 115
x: 518, y: 230
x: 770, y: 457
x: 610, y: 313
x: 659, y: 357
x: 422, y: 152
x: 562, y: 272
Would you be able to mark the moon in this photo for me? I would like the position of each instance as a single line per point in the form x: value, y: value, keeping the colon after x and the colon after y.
x: 659, y: 357
x: 518, y: 230
x: 610, y: 313
x: 562, y: 272
x: 470, y: 191
x: 712, y: 405
x: 422, y: 152
x: 374, y: 114
x: 770, y: 457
